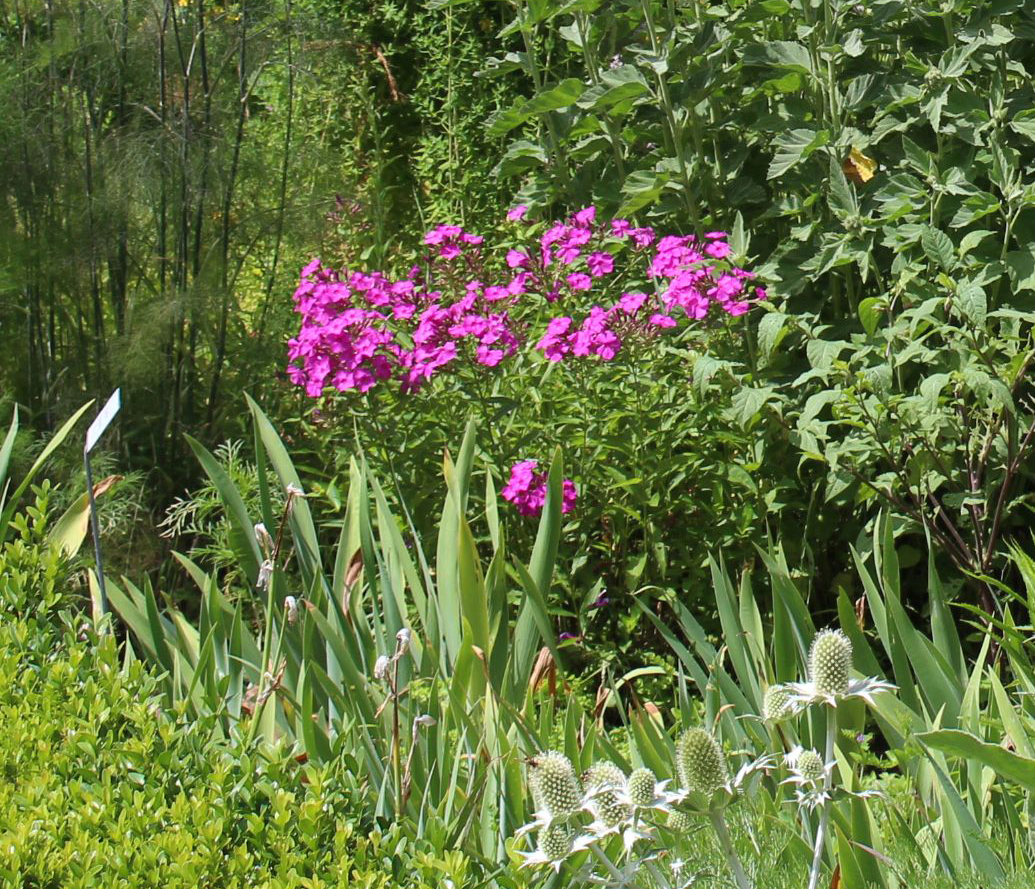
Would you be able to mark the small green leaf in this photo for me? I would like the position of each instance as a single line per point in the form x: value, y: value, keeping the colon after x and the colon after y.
x: 938, y: 247
x: 870, y: 311
x: 972, y: 302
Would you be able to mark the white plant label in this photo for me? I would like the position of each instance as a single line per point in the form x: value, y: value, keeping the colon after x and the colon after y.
x: 102, y: 420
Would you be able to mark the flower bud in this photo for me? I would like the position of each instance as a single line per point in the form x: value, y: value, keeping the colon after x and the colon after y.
x: 554, y: 785
x: 555, y: 841
x: 604, y: 780
x: 641, y: 786
x: 381, y: 666
x: 700, y: 761
x: 291, y: 608
x: 830, y: 663
x: 776, y: 705
x: 679, y: 822
x: 810, y: 765
x: 402, y: 642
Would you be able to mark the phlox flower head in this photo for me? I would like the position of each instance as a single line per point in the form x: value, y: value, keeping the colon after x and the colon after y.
x: 526, y: 489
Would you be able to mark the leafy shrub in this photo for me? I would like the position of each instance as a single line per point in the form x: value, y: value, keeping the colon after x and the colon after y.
x: 878, y: 158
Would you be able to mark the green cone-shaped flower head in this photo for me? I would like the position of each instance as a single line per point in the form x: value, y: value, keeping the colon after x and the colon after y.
x: 700, y: 761
x: 830, y: 662
x: 776, y: 705
x: 555, y: 788
x: 604, y: 780
x: 679, y: 822
x: 810, y: 765
x: 641, y: 786
x: 555, y: 841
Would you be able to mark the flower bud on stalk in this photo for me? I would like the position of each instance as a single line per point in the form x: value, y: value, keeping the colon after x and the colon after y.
x: 641, y: 787
x: 830, y: 662
x: 700, y: 762
x: 554, y: 785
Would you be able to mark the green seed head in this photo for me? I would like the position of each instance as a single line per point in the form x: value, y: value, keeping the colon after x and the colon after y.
x: 810, y: 765
x: 555, y: 842
x: 700, y: 761
x: 554, y: 785
x: 830, y: 662
x: 641, y: 787
x: 776, y: 705
x: 604, y: 780
x: 679, y: 822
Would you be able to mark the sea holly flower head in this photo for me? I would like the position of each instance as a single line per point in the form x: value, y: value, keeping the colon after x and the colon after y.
x: 830, y: 674
x: 555, y: 788
x: 604, y: 782
x: 700, y: 762
x: 777, y: 704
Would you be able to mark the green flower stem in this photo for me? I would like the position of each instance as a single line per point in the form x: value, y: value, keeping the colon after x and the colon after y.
x: 824, y: 814
x: 593, y: 65
x: 537, y: 82
x: 615, y: 873
x: 675, y: 130
x: 722, y: 832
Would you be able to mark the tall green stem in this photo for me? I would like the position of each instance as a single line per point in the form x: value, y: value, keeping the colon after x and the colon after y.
x: 722, y: 832
x: 824, y: 814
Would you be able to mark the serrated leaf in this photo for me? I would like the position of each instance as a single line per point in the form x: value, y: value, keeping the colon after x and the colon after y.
x: 1020, y: 265
x: 794, y: 146
x: 770, y: 330
x: 938, y: 247
x: 560, y: 96
x: 972, y: 302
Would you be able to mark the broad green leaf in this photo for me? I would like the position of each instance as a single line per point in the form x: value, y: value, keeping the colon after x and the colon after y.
x: 1007, y: 764
x: 793, y: 147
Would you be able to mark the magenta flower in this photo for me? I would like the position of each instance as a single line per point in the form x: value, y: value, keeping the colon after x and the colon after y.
x: 526, y: 489
x: 579, y: 281
x: 584, y: 218
x: 600, y: 264
x: 516, y: 213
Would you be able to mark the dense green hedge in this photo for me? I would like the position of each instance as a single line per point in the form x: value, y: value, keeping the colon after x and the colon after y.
x: 98, y: 786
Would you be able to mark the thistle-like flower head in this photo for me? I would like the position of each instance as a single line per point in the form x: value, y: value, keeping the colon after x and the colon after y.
x: 777, y: 704
x: 604, y: 783
x: 810, y: 766
x: 830, y: 663
x: 555, y: 789
x: 830, y: 674
x: 679, y: 822
x: 641, y: 786
x: 700, y: 762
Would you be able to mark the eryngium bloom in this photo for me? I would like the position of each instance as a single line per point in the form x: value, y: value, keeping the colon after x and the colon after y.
x: 810, y: 766
x: 777, y: 705
x: 641, y: 786
x: 830, y: 663
x: 555, y: 788
x: 830, y: 674
x: 604, y: 783
x: 679, y: 822
x: 700, y: 762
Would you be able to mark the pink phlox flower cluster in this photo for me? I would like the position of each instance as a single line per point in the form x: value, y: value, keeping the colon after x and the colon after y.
x: 693, y: 282
x: 361, y: 328
x: 526, y: 489
x: 451, y: 240
x: 366, y: 328
x: 595, y: 336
